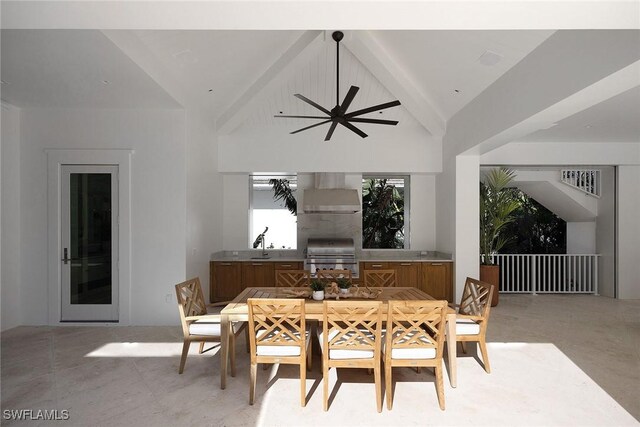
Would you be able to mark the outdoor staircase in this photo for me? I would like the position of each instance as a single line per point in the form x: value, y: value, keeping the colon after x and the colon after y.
x: 585, y: 180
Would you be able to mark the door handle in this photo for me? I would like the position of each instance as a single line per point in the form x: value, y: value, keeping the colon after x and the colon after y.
x: 66, y: 258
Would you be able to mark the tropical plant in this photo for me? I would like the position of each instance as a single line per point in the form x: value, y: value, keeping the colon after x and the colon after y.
x: 382, y: 215
x: 282, y: 191
x: 317, y: 285
x: 343, y: 283
x: 497, y: 206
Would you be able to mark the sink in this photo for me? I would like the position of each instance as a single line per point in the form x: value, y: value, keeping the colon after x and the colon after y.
x: 260, y: 257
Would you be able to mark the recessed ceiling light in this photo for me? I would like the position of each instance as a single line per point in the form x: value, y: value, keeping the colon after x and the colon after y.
x: 106, y: 82
x: 489, y: 58
x: 3, y: 82
x: 589, y: 126
x: 210, y: 90
x: 456, y: 90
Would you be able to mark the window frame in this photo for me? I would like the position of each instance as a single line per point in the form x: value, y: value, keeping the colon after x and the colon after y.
x: 407, y: 208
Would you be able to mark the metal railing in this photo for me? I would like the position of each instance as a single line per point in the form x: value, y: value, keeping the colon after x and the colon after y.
x: 567, y: 274
x: 587, y: 180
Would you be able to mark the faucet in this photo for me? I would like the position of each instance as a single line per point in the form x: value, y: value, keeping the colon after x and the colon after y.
x: 261, y: 241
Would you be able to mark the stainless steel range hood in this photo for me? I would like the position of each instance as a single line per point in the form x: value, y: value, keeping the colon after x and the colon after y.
x: 330, y: 196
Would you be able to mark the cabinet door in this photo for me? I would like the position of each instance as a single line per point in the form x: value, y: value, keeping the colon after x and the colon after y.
x: 226, y: 281
x: 294, y: 265
x: 375, y: 265
x: 407, y: 273
x: 257, y: 274
x: 436, y: 279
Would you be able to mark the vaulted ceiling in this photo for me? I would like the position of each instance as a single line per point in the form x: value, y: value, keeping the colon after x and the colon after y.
x: 241, y: 78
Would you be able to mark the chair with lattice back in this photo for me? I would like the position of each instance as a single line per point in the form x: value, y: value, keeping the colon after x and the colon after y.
x: 473, y: 316
x: 351, y: 338
x: 199, y: 326
x: 379, y: 278
x: 292, y: 278
x: 415, y: 338
x: 278, y: 334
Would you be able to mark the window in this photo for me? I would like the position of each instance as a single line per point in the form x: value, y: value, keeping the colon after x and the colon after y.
x: 385, y: 212
x: 273, y: 205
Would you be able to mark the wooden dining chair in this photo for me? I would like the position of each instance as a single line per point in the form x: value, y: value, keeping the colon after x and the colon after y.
x: 199, y: 326
x: 332, y: 275
x: 472, y: 317
x: 351, y: 338
x: 415, y: 338
x: 380, y: 278
x: 278, y: 334
x: 292, y: 278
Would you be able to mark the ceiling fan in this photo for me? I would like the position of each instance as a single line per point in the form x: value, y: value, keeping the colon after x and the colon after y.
x: 338, y: 114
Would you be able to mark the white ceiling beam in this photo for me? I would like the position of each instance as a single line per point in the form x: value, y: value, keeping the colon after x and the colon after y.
x: 289, y: 63
x: 302, y: 15
x: 136, y: 50
x: 392, y: 76
x: 568, y: 73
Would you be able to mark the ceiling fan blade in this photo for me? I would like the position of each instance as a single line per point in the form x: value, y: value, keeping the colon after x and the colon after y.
x: 309, y: 127
x: 310, y: 102
x: 354, y: 129
x: 353, y: 90
x: 302, y: 117
x: 372, y: 109
x: 331, y: 129
x: 376, y: 121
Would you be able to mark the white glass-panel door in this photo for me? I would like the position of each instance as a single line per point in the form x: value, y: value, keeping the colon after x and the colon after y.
x: 89, y: 236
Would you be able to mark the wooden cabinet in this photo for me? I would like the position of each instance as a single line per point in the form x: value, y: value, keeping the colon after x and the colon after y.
x: 407, y: 273
x: 294, y: 265
x: 255, y: 274
x: 373, y: 266
x: 225, y: 280
x: 436, y: 280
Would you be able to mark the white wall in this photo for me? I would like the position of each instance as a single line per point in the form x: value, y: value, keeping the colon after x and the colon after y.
x: 384, y: 151
x: 204, y: 197
x: 158, y: 205
x: 235, y: 230
x: 10, y: 217
x: 581, y: 237
x: 628, y: 232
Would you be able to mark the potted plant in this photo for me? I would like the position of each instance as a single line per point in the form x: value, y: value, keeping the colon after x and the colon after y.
x: 497, y: 206
x: 344, y: 284
x: 317, y: 286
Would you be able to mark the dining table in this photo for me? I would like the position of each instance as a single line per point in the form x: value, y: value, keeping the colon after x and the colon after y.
x: 237, y: 311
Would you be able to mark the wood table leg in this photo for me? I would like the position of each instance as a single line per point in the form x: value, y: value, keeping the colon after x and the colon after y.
x: 225, y: 326
x: 451, y: 349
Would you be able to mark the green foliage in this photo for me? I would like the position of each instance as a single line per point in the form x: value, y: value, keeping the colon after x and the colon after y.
x: 317, y: 285
x: 536, y: 229
x: 382, y: 215
x: 282, y: 191
x: 343, y: 283
x: 497, y: 207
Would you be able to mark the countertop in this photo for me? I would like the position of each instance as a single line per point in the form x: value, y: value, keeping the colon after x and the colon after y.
x: 363, y: 256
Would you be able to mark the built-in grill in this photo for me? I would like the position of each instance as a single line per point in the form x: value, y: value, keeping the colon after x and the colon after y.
x: 331, y: 254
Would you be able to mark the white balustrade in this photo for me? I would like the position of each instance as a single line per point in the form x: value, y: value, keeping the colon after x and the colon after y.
x: 587, y: 180
x: 567, y: 274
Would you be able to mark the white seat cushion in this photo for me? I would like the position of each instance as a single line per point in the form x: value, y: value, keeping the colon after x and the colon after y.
x: 205, y: 327
x: 412, y: 353
x: 210, y: 327
x: 279, y: 350
x: 467, y: 327
x: 343, y: 354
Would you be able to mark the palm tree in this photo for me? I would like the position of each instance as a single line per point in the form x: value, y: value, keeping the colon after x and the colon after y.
x: 497, y: 206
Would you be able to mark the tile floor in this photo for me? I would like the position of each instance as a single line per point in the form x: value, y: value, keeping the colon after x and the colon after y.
x: 556, y: 360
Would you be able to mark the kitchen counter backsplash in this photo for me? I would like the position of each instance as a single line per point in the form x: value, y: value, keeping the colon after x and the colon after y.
x: 379, y: 255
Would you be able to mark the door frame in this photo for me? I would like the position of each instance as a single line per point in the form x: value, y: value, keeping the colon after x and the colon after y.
x: 55, y: 159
